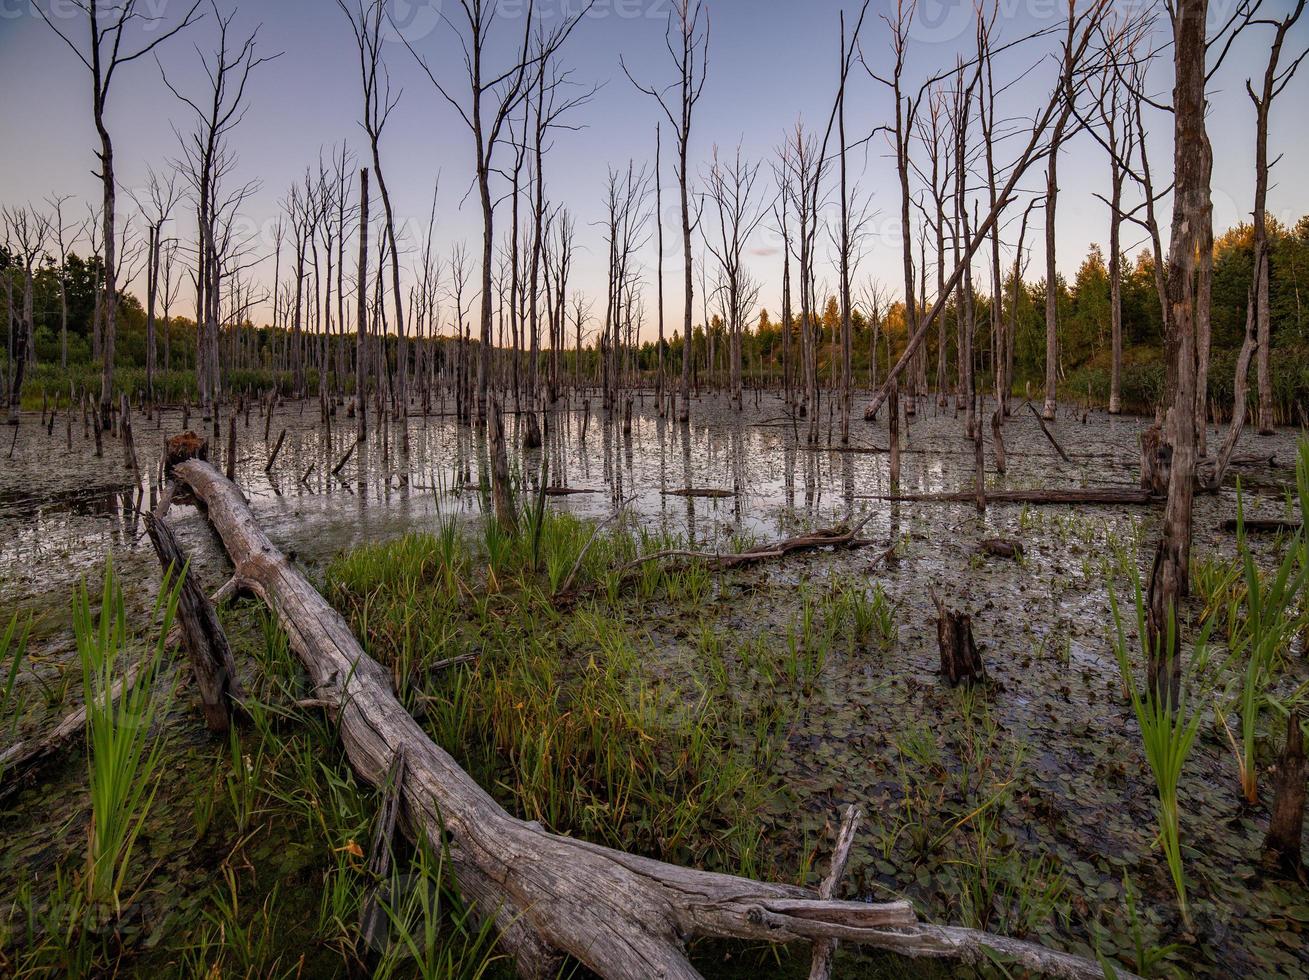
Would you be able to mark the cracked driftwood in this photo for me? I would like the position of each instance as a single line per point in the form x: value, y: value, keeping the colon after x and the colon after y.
x: 621, y: 915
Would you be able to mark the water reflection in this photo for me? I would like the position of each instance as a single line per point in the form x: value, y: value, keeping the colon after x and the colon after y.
x: 62, y: 509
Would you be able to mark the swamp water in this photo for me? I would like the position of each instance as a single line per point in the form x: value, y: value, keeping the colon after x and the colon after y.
x: 1024, y: 806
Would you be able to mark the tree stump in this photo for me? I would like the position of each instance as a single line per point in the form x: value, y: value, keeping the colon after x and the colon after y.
x: 181, y: 448
x: 1286, y: 825
x: 961, y: 663
x: 1156, y: 461
x: 1000, y: 548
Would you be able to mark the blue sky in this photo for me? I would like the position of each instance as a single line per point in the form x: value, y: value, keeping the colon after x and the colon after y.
x: 771, y: 63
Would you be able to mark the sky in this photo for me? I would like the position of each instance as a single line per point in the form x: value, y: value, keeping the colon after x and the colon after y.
x: 771, y: 63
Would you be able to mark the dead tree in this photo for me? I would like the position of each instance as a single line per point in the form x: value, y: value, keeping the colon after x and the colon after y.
x: 901, y: 133
x: 493, y: 94
x: 960, y: 661
x: 1067, y: 67
x: 1189, y: 277
x: 58, y: 233
x: 687, y: 37
x: 161, y: 196
x: 1275, y: 80
x: 1080, y: 30
x: 731, y: 192
x: 1286, y: 823
x: 206, y: 160
x: 365, y: 18
x: 361, y: 314
x: 105, y: 53
x: 26, y: 232
x: 846, y: 245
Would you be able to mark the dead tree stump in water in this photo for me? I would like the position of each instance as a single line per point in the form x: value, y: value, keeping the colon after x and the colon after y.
x: 960, y: 661
x: 202, y: 634
x: 893, y: 423
x: 181, y: 448
x: 1156, y: 461
x: 501, y: 494
x: 979, y: 461
x: 231, y: 449
x: 1001, y: 548
x: 1286, y: 825
x: 997, y: 441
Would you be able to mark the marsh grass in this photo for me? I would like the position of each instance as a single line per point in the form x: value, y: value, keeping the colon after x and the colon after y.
x: 124, y: 752
x: 1271, y: 618
x: 13, y: 699
x: 564, y: 712
x: 433, y: 933
x: 1168, y: 731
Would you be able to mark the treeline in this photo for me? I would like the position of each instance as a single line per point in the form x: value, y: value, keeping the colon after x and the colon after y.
x: 67, y: 347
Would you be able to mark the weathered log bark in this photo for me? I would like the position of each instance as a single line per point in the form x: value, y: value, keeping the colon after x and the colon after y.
x: 621, y: 915
x: 961, y: 663
x: 1286, y: 824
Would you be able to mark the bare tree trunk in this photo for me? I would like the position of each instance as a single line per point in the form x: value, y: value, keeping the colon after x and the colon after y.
x: 361, y: 322
x: 1190, y: 265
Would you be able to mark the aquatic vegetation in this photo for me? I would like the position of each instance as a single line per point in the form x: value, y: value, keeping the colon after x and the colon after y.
x: 13, y: 647
x: 555, y: 709
x: 124, y: 753
x: 432, y: 934
x: 1168, y: 730
x: 1272, y: 617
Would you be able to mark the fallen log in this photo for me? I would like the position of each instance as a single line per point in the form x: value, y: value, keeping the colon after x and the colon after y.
x: 824, y: 537
x: 202, y: 634
x: 1089, y: 495
x: 712, y: 493
x: 621, y: 915
x: 1261, y: 524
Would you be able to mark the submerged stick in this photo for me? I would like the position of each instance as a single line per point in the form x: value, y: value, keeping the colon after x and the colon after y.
x: 1046, y: 429
x: 820, y: 966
